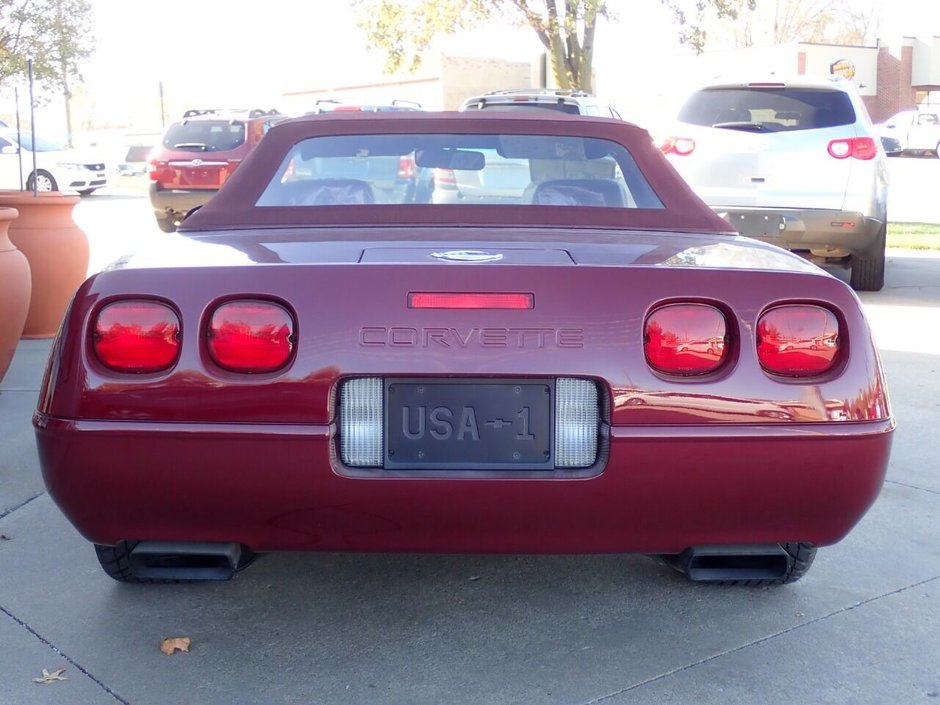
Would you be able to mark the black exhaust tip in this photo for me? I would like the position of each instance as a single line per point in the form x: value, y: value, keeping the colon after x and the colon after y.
x: 719, y: 564
x: 170, y: 560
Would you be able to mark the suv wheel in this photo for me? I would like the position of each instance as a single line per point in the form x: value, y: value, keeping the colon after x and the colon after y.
x: 868, y: 271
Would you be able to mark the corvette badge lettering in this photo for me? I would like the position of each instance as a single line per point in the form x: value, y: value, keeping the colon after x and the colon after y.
x: 462, y: 338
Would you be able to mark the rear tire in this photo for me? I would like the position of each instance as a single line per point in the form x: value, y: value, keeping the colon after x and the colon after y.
x: 115, y: 560
x: 868, y: 271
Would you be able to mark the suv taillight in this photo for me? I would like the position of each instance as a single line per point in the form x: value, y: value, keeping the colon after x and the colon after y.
x: 137, y: 336
x: 799, y: 340
x: 251, y: 336
x: 855, y: 147
x: 445, y: 176
x: 682, y: 146
x: 406, y: 167
x: 156, y: 168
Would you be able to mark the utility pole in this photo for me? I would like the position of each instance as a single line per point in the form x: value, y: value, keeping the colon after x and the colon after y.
x: 63, y: 67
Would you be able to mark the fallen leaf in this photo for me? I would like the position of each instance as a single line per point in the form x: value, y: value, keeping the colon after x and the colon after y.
x: 172, y: 644
x: 4, y: 537
x: 47, y: 677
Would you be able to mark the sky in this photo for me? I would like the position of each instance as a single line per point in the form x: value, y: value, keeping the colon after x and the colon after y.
x: 222, y: 52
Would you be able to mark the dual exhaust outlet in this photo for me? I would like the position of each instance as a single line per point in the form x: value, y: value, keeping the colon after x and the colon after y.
x: 171, y: 560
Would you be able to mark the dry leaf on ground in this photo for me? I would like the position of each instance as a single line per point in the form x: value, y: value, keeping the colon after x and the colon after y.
x: 47, y: 677
x: 4, y: 537
x: 172, y: 644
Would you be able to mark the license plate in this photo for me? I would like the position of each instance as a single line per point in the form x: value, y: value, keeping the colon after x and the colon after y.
x: 758, y: 225
x: 492, y: 425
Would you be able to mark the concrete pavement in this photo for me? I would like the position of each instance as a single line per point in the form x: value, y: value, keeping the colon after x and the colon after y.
x: 863, y: 627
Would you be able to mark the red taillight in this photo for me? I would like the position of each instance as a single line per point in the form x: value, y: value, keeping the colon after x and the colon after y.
x: 137, y: 336
x: 347, y: 109
x: 855, y: 147
x: 406, y: 167
x: 798, y: 340
x: 251, y: 336
x: 429, y: 299
x: 156, y: 169
x: 445, y: 176
x: 683, y: 146
x: 686, y: 339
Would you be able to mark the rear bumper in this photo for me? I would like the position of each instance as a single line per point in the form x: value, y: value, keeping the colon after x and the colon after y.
x: 179, y: 201
x: 279, y: 487
x: 813, y: 229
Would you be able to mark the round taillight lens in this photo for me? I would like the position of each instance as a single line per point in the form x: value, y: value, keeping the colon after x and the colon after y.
x: 798, y: 340
x: 137, y: 336
x: 251, y: 336
x: 686, y: 339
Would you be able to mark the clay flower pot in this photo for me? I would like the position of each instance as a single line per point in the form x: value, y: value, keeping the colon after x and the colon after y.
x: 57, y: 252
x: 14, y: 291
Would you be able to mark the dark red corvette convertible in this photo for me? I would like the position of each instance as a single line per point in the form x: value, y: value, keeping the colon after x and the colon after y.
x: 462, y: 333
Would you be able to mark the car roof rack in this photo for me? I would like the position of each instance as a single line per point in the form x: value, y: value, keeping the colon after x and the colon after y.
x: 252, y: 113
x: 566, y: 92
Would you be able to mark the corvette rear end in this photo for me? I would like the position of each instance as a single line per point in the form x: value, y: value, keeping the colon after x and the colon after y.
x: 292, y: 374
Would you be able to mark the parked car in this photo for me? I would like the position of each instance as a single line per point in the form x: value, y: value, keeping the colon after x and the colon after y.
x: 917, y: 131
x: 599, y: 368
x: 58, y: 168
x: 792, y: 162
x: 891, y: 146
x: 332, y: 105
x: 508, y: 178
x: 572, y: 102
x: 196, y: 156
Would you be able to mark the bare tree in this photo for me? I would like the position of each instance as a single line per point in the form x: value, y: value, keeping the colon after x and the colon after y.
x: 405, y: 29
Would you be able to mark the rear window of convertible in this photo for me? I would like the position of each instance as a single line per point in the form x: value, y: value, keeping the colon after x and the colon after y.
x: 466, y: 169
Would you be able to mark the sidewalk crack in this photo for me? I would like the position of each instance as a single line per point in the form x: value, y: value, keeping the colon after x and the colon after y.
x: 761, y: 640
x: 22, y: 504
x: 65, y: 656
x: 912, y: 487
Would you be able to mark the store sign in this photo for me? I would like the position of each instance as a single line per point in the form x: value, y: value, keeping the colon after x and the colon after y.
x: 843, y: 67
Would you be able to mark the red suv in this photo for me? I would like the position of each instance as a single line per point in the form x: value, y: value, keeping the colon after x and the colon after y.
x: 198, y: 154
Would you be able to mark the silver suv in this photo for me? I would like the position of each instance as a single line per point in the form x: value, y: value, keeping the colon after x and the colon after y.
x: 505, y: 180
x: 565, y: 101
x: 796, y: 163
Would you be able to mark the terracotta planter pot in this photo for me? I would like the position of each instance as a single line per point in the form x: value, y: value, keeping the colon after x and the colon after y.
x: 14, y: 291
x: 57, y: 251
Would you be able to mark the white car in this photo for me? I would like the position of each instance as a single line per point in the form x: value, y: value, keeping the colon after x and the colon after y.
x: 918, y: 131
x: 793, y: 162
x: 57, y: 168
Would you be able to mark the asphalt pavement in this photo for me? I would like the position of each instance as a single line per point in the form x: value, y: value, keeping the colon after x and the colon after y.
x: 862, y: 627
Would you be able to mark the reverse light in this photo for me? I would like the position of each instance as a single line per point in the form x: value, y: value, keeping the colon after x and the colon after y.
x: 686, y: 339
x: 856, y: 147
x: 250, y: 336
x: 137, y: 336
x: 799, y: 340
x: 445, y: 300
x: 361, y: 439
x: 682, y: 146
x: 577, y: 416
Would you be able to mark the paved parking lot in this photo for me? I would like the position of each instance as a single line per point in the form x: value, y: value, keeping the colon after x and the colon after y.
x: 863, y: 627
